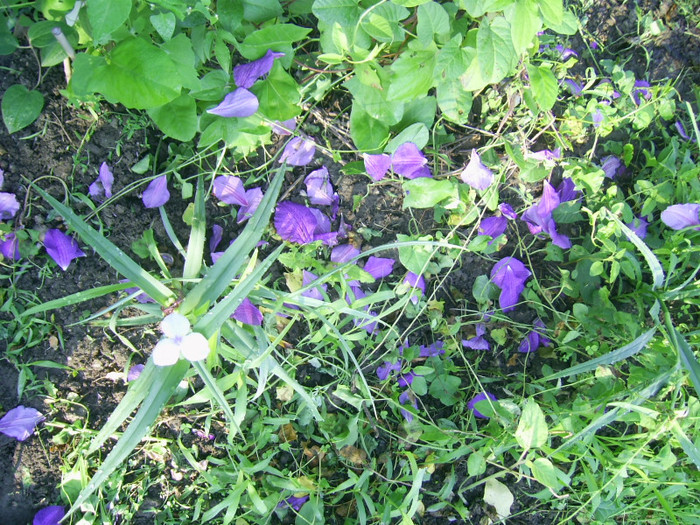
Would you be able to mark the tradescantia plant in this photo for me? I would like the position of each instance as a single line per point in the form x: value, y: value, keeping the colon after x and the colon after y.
x: 195, y: 324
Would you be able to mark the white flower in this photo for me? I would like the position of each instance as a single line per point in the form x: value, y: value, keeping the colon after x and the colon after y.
x: 179, y: 341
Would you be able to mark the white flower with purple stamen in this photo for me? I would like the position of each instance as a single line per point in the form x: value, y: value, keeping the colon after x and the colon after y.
x: 179, y: 341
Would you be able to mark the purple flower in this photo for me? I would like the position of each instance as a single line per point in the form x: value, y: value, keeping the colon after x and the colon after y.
x: 140, y: 298
x: 134, y: 373
x: 248, y: 313
x: 49, y: 515
x: 387, y: 369
x: 230, y: 190
x: 319, y: 188
x: 478, y: 342
x: 415, y: 281
x: 433, y: 350
x: 680, y: 216
x: 480, y: 398
x: 2, y: 177
x: 407, y: 397
x: 539, y: 217
x: 641, y: 89
x: 574, y: 87
x: 238, y: 103
x: 8, y: 205
x: 611, y: 165
x: 597, y: 118
x: 217, y: 233
x: 102, y: 187
x: 295, y: 222
x: 408, y: 161
x: 594, y: 45
x: 405, y: 380
x: 9, y: 246
x: 62, y: 248
x: 344, y: 253
x: 379, y: 267
x: 567, y: 190
x: 294, y: 502
x: 507, y: 211
x: 639, y: 226
x: 313, y: 293
x: 493, y: 226
x: 681, y: 131
x: 156, y: 193
x: 298, y: 152
x: 245, y: 75
x: 509, y: 274
x: 284, y: 128
x: 20, y: 422
x: 545, y: 155
x: 534, y: 338
x: 377, y: 166
x: 476, y: 174
x: 565, y: 52
x: 253, y: 198
x: 203, y: 435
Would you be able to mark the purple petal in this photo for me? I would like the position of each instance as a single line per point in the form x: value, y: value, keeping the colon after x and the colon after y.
x: 8, y: 205
x: 507, y: 211
x: 509, y: 274
x: 295, y: 222
x: 549, y: 201
x: 253, y: 198
x: 248, y: 313
x: 238, y: 103
x: 9, y: 246
x: 408, y: 160
x: 20, y: 422
x: 681, y: 216
x: 478, y: 342
x: 217, y: 233
x: 141, y: 298
x: 476, y: 174
x: 679, y: 127
x: 377, y: 166
x: 62, y: 248
x: 292, y: 501
x: 407, y: 398
x: 102, y: 187
x: 379, y: 267
x: 641, y: 89
x: 407, y: 379
x: 433, y: 350
x: 156, y: 193
x: 384, y: 371
x: 530, y: 343
x: 545, y: 155
x: 245, y: 75
x: 574, y: 87
x: 49, y: 515
x: 313, y: 293
x: 597, y: 118
x: 610, y: 165
x: 319, y: 188
x: 416, y: 281
x: 493, y: 226
x: 134, y: 372
x: 344, y: 253
x: 2, y: 177
x: 567, y: 190
x: 298, y: 152
x: 558, y: 239
x: 284, y: 128
x: 481, y: 397
x: 639, y: 226
x: 230, y: 190
x: 565, y: 52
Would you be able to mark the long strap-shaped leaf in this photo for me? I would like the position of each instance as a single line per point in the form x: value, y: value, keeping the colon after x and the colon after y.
x: 115, y: 257
x: 219, y: 276
x: 76, y: 298
x: 195, y: 247
x: 162, y: 387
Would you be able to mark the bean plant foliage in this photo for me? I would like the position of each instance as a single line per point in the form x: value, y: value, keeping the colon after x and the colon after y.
x: 524, y: 346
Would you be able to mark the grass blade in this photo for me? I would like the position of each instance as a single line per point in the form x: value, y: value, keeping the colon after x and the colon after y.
x: 688, y: 359
x: 195, y: 246
x: 116, y: 258
x: 75, y: 298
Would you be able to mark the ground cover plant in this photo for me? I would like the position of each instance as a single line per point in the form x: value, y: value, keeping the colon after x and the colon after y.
x: 343, y: 261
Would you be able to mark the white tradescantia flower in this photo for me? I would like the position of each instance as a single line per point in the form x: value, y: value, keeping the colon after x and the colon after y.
x: 179, y: 341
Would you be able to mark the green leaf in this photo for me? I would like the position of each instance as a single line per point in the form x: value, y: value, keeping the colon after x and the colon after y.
x: 8, y: 43
x: 416, y: 133
x: 546, y: 473
x: 367, y: 88
x: 20, y: 107
x: 75, y: 298
x: 259, y: 11
x: 454, y: 100
x: 177, y: 118
x: 115, y: 257
x: 445, y: 388
x: 544, y: 86
x: 433, y: 21
x: 278, y: 95
x: 688, y: 359
x: 345, y: 12
x: 412, y: 76
x: 495, y: 52
x: 230, y: 13
x: 524, y: 24
x: 278, y: 37
x: 552, y: 11
x: 415, y: 257
x: 195, y: 246
x: 568, y: 26
x: 532, y: 428
x: 425, y: 192
x: 164, y: 24
x: 105, y: 16
x: 138, y: 75
x: 477, y: 8
x: 368, y: 134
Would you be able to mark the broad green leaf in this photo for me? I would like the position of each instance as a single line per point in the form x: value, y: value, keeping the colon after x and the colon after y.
x: 164, y: 24
x: 552, y: 11
x: 367, y: 88
x: 416, y: 133
x: 20, y: 107
x: 105, y: 16
x: 454, y: 100
x: 230, y: 14
x: 657, y: 271
x: 688, y: 446
x: 116, y: 258
x: 532, y: 428
x: 368, y: 134
x: 425, y: 192
x: 546, y: 473
x: 415, y: 258
x: 179, y: 49
x: 453, y: 60
x: 544, y: 86
x: 378, y: 27
x: 138, y: 75
x: 433, y: 21
x: 345, y: 12
x: 499, y: 497
x: 477, y: 8
x: 278, y: 95
x: 278, y: 37
x: 412, y: 76
x: 569, y: 24
x: 495, y: 51
x: 177, y: 118
x: 524, y: 24
x: 445, y: 388
x: 418, y: 111
x: 409, y: 3
x: 8, y: 43
x: 259, y: 11
x: 41, y: 35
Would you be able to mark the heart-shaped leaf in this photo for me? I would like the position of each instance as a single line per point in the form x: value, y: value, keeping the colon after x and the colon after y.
x: 20, y: 107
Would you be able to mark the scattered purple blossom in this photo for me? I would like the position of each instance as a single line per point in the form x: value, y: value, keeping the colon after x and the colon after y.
x: 344, y: 253
x: 102, y: 187
x: 407, y: 161
x: 238, y: 103
x: 294, y: 502
x: 539, y: 216
x: 284, y: 128
x: 407, y: 397
x: 680, y: 216
x: 297, y: 223
x: 493, y: 226
x: 509, y: 274
x: 245, y: 75
x: 379, y: 267
x: 61, y: 248
x: 298, y: 152
x: 612, y: 166
x: 134, y: 373
x: 507, y: 211
x: 156, y: 193
x: 432, y: 350
x: 20, y: 422
x: 9, y: 246
x: 545, y: 155
x: 478, y: 342
x: 49, y: 515
x: 639, y: 226
x: 575, y: 88
x: 313, y: 293
x: 641, y: 89
x: 9, y: 206
x: 319, y: 189
x: 476, y: 173
x: 415, y: 281
x: 681, y: 131
x: 484, y: 396
x: 534, y: 338
x: 565, y: 52
x: 248, y: 313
